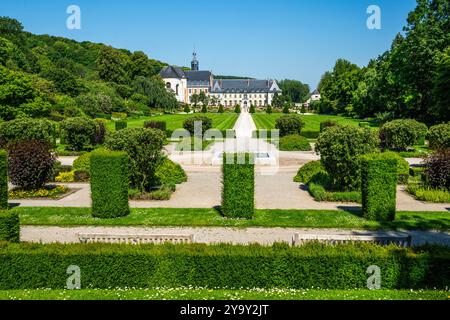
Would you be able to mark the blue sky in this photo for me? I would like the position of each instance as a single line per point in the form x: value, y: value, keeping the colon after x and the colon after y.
x: 294, y: 39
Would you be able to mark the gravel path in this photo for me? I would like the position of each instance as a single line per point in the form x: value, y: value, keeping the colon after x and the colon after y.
x: 264, y: 236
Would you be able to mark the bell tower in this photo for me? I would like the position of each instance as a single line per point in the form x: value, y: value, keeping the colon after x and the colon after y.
x: 194, y: 63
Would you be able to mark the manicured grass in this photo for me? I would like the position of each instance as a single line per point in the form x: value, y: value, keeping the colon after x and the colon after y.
x: 221, y: 121
x: 205, y: 294
x: 312, y: 122
x: 351, y: 219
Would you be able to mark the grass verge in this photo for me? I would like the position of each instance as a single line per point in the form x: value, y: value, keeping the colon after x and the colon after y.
x: 205, y: 294
x: 344, y: 219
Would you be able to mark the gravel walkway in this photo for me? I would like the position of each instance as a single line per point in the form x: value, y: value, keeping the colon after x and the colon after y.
x: 264, y: 236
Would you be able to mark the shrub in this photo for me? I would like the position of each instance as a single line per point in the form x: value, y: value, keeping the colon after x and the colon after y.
x: 9, y: 226
x: 439, y: 136
x: 308, y: 171
x: 169, y: 172
x: 326, y: 124
x: 99, y: 137
x: 198, y: 265
x: 286, y: 109
x: 109, y: 184
x: 26, y: 129
x: 3, y: 180
x: 438, y: 169
x: 144, y: 148
x: 78, y: 132
x: 189, y: 124
x: 160, y: 194
x: 30, y: 164
x: 321, y: 188
x: 339, y: 148
x: 65, y: 177
x: 237, y: 108
x: 364, y: 124
x: 221, y: 109
x: 401, y: 134
x: 161, y: 125
x: 204, y: 108
x: 83, y: 162
x: 269, y: 109
x: 119, y: 115
x: 47, y: 192
x: 294, y: 142
x: 120, y: 125
x: 288, y: 125
x: 379, y: 186
x: 252, y: 109
x: 238, y: 190
x: 429, y: 195
x: 186, y: 109
x: 81, y: 175
x: 402, y: 166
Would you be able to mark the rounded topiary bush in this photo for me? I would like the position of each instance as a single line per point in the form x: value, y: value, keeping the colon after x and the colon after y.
x: 294, y: 142
x: 204, y: 122
x: 308, y: 171
x: 339, y: 148
x: 30, y: 164
x: 26, y: 129
x: 289, y: 124
x: 78, y: 132
x: 439, y: 136
x: 401, y: 134
x: 169, y: 173
x: 144, y: 148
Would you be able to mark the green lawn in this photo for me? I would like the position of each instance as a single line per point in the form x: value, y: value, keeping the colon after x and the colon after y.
x: 312, y: 122
x: 205, y: 294
x: 211, y: 217
x: 221, y: 121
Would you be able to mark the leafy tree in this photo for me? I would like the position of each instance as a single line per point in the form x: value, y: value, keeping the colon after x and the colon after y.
x: 156, y: 92
x: 16, y: 88
x: 38, y: 108
x: 441, y: 88
x: 195, y: 99
x: 112, y: 66
x: 295, y: 90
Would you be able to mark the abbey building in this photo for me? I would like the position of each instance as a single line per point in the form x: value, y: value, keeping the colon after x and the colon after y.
x: 228, y: 92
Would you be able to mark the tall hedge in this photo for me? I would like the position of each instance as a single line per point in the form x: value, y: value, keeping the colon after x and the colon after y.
x: 109, y: 184
x: 222, y: 266
x: 9, y: 226
x: 379, y: 186
x: 238, y: 190
x: 3, y: 180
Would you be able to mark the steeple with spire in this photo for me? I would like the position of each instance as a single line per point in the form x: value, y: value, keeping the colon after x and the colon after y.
x: 194, y: 63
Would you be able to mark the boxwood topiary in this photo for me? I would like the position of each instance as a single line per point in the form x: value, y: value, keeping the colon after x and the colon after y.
x: 9, y: 226
x: 379, y: 186
x: 169, y: 172
x: 289, y: 124
x: 109, y: 184
x: 294, y: 142
x: 308, y: 171
x: 189, y: 124
x: 439, y: 136
x: 78, y: 132
x: 401, y: 134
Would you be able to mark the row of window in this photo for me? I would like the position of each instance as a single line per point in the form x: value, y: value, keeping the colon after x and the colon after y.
x: 197, y: 91
x: 257, y: 103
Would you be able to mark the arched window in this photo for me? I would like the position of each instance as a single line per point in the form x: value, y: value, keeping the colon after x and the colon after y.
x: 176, y: 88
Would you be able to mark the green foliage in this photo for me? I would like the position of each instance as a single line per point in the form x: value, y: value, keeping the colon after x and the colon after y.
x: 439, y: 136
x: 269, y: 109
x: 204, y: 108
x: 112, y: 66
x: 65, y: 177
x: 120, y: 125
x: 46, y: 192
x: 238, y: 189
x: 286, y: 108
x: 158, y: 96
x: 161, y: 125
x: 205, y: 122
x: 237, y: 108
x: 379, y: 186
x: 169, y: 172
x: 289, y: 125
x: 252, y: 109
x: 326, y: 124
x: 401, y: 134
x: 30, y: 163
x: 339, y: 148
x: 3, y: 180
x: 83, y: 162
x: 308, y: 171
x: 321, y: 188
x: 99, y: 137
x: 186, y: 109
x: 402, y: 166
x: 295, y: 90
x: 144, y: 148
x: 428, y: 194
x: 26, y: 129
x: 221, y: 109
x: 198, y: 265
x: 109, y: 184
x: 294, y: 142
x: 9, y: 226
x: 78, y: 132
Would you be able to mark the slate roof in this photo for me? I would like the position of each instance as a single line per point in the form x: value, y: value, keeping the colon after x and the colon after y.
x: 171, y: 72
x: 198, y: 78
x: 315, y: 92
x: 243, y: 86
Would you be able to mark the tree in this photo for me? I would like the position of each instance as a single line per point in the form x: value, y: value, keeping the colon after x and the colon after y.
x: 112, y: 66
x: 195, y: 99
x: 203, y: 99
x: 295, y: 90
x: 441, y: 88
x: 154, y: 89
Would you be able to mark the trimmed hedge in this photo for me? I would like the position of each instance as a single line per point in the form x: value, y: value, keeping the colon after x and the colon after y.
x: 294, y: 142
x: 379, y: 186
x: 120, y: 125
x: 161, y: 125
x: 32, y: 266
x: 439, y: 136
x: 109, y: 184
x: 3, y: 180
x: 308, y: 171
x: 289, y: 124
x: 9, y: 226
x: 238, y: 193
